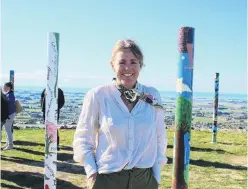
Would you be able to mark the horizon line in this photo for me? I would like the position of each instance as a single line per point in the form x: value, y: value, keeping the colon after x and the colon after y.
x: 163, y: 90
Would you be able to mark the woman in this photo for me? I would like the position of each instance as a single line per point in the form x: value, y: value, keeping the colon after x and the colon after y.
x: 9, y: 90
x: 120, y: 137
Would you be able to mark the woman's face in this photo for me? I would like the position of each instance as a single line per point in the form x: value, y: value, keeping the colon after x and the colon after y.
x: 127, y: 68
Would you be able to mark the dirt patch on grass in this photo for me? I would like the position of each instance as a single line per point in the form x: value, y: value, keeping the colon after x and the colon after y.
x: 239, y: 160
x: 234, y: 175
x: 27, y: 176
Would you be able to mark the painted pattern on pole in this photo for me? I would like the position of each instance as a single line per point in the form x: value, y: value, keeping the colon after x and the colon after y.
x: 183, y: 115
x: 51, y: 112
x: 215, y: 112
x: 12, y: 77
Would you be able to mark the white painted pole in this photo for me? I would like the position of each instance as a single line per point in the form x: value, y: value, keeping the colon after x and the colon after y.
x: 51, y: 112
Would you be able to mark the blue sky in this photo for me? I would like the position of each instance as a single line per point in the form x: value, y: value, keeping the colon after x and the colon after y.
x: 89, y: 29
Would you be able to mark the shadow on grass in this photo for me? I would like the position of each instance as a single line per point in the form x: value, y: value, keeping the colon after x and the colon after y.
x: 29, y: 151
x: 67, y: 148
x: 204, y: 150
x: 28, y: 143
x: 23, y: 161
x: 61, y: 156
x: 225, y: 143
x: 31, y: 180
x: 169, y: 160
x: 9, y: 186
x: 61, y: 166
x: 65, y: 157
x: 218, y: 165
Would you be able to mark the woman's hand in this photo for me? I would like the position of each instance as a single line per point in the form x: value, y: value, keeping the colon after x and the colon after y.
x: 91, y: 180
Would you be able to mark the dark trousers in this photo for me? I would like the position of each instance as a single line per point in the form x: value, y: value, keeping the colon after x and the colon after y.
x: 127, y: 179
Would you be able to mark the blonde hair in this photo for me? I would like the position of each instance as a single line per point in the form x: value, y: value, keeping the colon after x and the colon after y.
x: 132, y: 46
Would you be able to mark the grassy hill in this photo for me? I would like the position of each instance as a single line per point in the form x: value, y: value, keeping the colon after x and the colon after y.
x: 221, y: 165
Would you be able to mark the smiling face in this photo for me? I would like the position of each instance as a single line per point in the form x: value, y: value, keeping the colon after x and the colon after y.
x: 127, y: 67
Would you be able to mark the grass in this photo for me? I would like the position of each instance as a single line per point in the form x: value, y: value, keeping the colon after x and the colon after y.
x: 208, y: 119
x: 221, y: 165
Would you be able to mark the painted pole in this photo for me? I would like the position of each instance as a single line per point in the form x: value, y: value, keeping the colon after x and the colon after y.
x: 12, y: 77
x: 51, y: 112
x: 183, y: 114
x: 215, y: 112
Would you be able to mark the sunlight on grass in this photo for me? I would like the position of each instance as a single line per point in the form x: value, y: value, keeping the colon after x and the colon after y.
x: 221, y: 165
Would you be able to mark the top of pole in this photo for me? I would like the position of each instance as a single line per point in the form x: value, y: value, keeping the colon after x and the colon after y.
x: 216, y: 75
x: 186, y: 36
x: 53, y: 38
x: 53, y: 33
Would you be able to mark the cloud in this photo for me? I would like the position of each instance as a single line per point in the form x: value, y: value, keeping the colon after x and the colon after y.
x: 38, y: 75
x: 4, y: 76
x: 66, y: 80
x: 41, y: 75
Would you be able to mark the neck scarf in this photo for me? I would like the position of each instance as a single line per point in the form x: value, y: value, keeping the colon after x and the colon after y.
x: 132, y: 95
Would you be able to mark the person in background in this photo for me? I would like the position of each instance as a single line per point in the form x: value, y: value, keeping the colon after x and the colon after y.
x: 120, y: 137
x: 9, y: 90
x: 4, y: 111
x: 61, y: 102
x: 4, y: 108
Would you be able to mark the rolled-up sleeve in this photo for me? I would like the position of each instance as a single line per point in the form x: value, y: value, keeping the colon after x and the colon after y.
x: 162, y: 140
x: 84, y: 143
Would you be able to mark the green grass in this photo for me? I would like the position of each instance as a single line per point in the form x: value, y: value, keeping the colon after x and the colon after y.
x: 221, y: 165
x: 207, y: 119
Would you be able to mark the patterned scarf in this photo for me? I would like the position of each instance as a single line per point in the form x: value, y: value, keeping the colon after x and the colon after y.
x: 132, y: 95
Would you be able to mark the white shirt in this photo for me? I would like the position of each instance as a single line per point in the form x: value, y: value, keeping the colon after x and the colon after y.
x: 109, y: 138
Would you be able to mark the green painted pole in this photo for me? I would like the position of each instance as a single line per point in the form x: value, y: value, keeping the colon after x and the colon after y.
x: 183, y: 115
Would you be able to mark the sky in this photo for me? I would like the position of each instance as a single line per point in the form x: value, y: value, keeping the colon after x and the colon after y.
x: 89, y: 29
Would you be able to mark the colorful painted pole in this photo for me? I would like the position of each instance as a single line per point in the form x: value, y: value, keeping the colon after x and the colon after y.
x: 216, y: 102
x: 51, y: 111
x: 12, y: 76
x: 183, y: 115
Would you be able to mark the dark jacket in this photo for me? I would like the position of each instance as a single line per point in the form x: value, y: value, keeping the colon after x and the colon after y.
x: 4, y: 107
x: 61, y: 101
x: 11, y: 97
